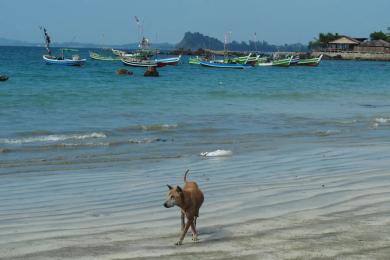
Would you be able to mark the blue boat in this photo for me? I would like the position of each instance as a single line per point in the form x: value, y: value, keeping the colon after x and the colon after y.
x: 213, y: 64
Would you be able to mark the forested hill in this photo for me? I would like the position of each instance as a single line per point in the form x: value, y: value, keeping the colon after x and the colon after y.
x: 195, y: 41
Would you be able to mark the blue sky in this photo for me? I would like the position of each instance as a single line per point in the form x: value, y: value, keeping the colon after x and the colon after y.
x: 276, y: 21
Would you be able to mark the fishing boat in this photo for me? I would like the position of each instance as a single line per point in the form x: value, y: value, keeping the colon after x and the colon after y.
x: 278, y: 63
x: 119, y: 53
x: 75, y: 60
x: 252, y: 60
x: 168, y: 61
x: 135, y: 62
x: 295, y: 60
x: 97, y: 56
x: 194, y: 60
x: 313, y: 62
x: 215, y: 64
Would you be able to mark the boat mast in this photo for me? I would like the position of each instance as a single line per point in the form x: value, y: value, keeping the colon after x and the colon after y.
x: 255, y: 39
x: 140, y: 31
x: 226, y: 41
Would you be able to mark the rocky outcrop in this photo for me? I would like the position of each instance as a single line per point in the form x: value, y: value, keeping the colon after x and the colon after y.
x: 3, y: 78
x: 151, y: 72
x: 124, y: 72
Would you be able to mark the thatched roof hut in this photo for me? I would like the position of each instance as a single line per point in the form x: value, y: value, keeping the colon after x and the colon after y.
x: 376, y: 46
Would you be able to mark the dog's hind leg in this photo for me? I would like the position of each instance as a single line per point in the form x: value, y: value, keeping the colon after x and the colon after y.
x: 182, y: 221
x: 195, y: 218
x: 194, y: 232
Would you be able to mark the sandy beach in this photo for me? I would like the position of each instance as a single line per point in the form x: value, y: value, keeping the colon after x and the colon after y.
x: 265, y: 207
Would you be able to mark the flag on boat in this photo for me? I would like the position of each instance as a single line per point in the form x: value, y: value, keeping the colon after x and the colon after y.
x: 47, y: 39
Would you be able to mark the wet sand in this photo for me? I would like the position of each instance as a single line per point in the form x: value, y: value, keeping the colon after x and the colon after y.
x: 336, y: 207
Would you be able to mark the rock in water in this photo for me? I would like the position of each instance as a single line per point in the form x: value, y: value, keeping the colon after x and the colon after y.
x: 124, y: 72
x: 3, y: 78
x: 151, y: 72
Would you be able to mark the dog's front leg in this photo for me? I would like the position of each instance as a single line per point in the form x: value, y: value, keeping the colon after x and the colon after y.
x: 184, y: 232
x: 182, y: 221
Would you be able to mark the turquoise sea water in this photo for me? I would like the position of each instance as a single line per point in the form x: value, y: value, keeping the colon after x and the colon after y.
x: 54, y: 117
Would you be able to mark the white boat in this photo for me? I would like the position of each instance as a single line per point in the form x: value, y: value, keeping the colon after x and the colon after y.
x: 168, y: 61
x: 74, y: 61
x: 133, y: 62
x: 50, y: 59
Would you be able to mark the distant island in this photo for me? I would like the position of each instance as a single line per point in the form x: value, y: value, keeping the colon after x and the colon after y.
x: 195, y: 41
x: 10, y: 42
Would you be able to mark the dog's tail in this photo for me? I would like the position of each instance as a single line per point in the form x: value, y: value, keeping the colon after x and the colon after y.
x: 185, y: 175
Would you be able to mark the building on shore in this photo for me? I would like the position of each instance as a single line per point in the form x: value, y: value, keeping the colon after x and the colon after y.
x: 348, y: 48
x: 377, y: 46
x: 344, y: 43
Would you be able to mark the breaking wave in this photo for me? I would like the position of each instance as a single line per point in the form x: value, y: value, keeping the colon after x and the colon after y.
x: 51, y: 138
x: 154, y: 127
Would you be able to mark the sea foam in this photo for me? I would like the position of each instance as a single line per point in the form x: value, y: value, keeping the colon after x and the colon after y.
x: 382, y: 120
x: 217, y: 153
x: 51, y: 138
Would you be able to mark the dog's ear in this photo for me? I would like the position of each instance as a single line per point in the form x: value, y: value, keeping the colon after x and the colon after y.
x: 179, y: 189
x: 169, y: 187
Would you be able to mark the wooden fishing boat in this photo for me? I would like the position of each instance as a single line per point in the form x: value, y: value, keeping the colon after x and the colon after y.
x: 214, y: 64
x: 194, y: 60
x: 168, y: 61
x: 295, y: 60
x: 134, y: 62
x: 119, y: 53
x: 97, y: 56
x: 310, y: 62
x: 75, y: 60
x: 279, y: 63
x: 244, y: 60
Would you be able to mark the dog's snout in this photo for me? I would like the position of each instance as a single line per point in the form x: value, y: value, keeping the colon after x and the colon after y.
x: 165, y: 205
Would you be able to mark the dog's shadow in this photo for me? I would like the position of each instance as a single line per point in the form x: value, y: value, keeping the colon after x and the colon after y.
x: 214, y: 234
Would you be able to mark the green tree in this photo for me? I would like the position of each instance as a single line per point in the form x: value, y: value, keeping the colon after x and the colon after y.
x: 322, y: 40
x: 379, y: 36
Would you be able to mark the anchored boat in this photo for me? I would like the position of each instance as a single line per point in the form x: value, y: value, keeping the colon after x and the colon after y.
x: 215, y: 64
x: 279, y: 63
x: 168, y: 61
x: 97, y: 56
x: 313, y: 62
x: 134, y: 62
x: 75, y: 60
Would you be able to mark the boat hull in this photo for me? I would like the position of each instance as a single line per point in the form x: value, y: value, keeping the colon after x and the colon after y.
x: 314, y: 62
x: 194, y: 60
x: 224, y: 65
x: 97, y: 56
x: 168, y: 62
x: 139, y: 63
x: 50, y: 60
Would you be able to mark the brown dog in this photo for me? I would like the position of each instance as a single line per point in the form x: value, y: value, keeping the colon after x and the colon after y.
x: 189, y: 199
